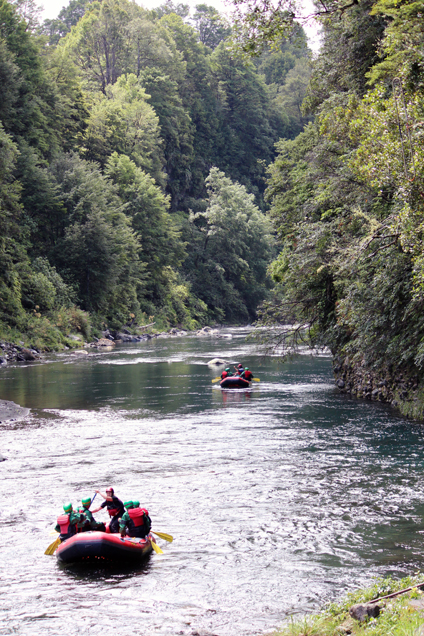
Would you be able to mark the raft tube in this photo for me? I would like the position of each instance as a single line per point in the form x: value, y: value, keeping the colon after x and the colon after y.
x: 234, y: 382
x: 97, y: 547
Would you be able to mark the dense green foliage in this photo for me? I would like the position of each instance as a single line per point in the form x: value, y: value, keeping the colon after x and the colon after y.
x: 347, y: 194
x: 126, y: 137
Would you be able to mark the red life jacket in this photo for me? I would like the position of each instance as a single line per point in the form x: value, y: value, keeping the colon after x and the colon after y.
x: 224, y: 374
x: 137, y: 516
x: 63, y: 522
x: 113, y: 511
x: 248, y: 375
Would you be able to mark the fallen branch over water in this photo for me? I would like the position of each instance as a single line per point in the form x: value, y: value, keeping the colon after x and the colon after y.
x: 145, y: 326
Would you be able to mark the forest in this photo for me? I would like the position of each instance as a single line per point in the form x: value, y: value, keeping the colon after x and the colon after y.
x: 134, y: 146
x: 173, y: 166
x: 347, y: 199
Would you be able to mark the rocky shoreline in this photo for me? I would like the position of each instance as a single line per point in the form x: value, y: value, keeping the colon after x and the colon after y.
x: 400, y: 388
x: 16, y: 352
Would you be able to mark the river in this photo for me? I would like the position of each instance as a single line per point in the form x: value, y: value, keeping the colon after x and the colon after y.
x: 279, y: 498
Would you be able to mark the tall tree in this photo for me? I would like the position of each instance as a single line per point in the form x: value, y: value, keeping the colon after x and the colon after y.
x: 231, y: 246
x: 98, y: 251
x: 246, y: 137
x: 147, y: 207
x: 123, y: 121
x: 210, y: 25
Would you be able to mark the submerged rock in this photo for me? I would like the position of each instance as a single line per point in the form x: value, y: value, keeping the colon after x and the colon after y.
x: 207, y: 331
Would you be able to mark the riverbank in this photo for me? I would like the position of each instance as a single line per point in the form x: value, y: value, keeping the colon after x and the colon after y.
x: 369, y: 612
x: 26, y: 352
x: 402, y: 388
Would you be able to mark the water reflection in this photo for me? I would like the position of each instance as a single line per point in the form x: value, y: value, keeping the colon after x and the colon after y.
x: 235, y: 396
x: 113, y: 571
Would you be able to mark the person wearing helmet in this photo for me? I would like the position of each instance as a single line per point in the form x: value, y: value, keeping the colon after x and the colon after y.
x: 88, y: 523
x: 239, y: 369
x: 67, y: 523
x: 136, y: 521
x: 247, y: 374
x: 114, y: 506
x: 226, y: 374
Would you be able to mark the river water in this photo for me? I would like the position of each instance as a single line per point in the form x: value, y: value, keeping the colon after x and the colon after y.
x: 279, y: 498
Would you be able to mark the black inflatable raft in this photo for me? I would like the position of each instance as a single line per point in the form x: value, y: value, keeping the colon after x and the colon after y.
x: 234, y: 382
x: 90, y: 547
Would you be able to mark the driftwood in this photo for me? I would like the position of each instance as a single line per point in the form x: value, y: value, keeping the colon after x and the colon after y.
x: 408, y: 589
x: 145, y: 326
x: 370, y: 609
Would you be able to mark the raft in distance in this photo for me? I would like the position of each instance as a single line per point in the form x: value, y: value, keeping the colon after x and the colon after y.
x: 234, y: 382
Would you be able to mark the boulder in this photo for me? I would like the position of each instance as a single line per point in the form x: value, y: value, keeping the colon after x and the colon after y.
x: 216, y: 362
x: 123, y: 336
x: 207, y: 331
x: 25, y: 355
x: 362, y: 611
x: 105, y: 342
x: 80, y: 352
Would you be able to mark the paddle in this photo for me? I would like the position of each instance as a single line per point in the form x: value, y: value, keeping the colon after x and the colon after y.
x: 163, y: 535
x: 215, y: 380
x: 256, y: 379
x: 156, y: 548
x: 52, y: 547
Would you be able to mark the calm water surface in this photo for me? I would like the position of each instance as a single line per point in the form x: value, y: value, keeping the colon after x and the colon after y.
x: 279, y: 498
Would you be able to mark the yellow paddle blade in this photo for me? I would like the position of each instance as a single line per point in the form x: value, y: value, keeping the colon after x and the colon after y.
x: 53, y: 532
x: 163, y: 535
x: 215, y: 380
x: 52, y: 547
x: 156, y: 548
x: 256, y: 379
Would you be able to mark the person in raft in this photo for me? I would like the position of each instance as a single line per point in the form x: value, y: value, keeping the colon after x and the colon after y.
x: 136, y: 521
x: 114, y: 506
x: 226, y: 374
x: 89, y: 522
x: 67, y: 523
x: 239, y: 370
x: 247, y: 374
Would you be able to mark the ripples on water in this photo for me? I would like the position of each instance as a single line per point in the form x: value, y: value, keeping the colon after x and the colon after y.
x: 279, y: 498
